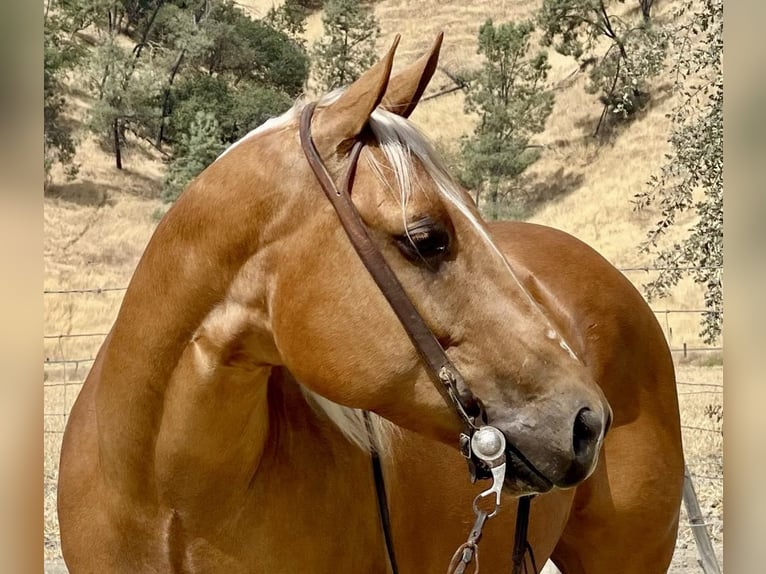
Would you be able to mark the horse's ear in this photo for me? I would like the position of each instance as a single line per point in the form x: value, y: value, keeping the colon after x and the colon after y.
x: 345, y: 118
x: 406, y: 87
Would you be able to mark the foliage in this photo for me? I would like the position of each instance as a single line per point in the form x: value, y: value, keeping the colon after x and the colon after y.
x: 237, y: 111
x: 311, y: 5
x: 348, y: 46
x: 60, y: 54
x: 81, y: 14
x: 123, y: 85
x: 290, y: 19
x: 692, y: 178
x: 509, y: 97
x: 246, y: 49
x: 152, y: 64
x: 193, y: 154
x: 635, y: 53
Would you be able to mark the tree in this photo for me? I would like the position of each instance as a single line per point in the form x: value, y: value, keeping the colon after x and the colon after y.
x: 119, y: 81
x: 237, y: 111
x: 509, y: 96
x: 692, y: 178
x: 348, y: 46
x: 192, y: 154
x: 246, y: 49
x: 290, y: 19
x: 211, y: 49
x: 228, y: 75
x: 152, y: 65
x: 635, y: 53
x: 60, y: 55
x: 122, y: 76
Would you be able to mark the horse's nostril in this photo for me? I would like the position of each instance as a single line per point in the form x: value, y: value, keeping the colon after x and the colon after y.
x: 587, y: 431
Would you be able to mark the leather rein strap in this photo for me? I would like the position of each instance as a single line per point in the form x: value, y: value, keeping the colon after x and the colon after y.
x: 448, y: 381
x: 443, y: 373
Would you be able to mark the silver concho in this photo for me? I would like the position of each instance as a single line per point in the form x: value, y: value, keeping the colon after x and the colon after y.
x: 488, y: 443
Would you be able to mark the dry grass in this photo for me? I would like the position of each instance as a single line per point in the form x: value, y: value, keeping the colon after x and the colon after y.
x: 700, y: 395
x: 97, y: 226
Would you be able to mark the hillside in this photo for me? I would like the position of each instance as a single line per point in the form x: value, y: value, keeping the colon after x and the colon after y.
x: 97, y: 226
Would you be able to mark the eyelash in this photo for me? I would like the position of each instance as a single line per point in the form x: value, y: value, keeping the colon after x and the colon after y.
x: 424, y: 244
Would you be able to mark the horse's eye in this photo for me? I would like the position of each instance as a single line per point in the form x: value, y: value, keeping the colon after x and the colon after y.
x: 425, y: 241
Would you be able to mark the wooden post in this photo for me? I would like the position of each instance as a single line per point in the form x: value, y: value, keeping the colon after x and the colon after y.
x: 707, y: 557
x: 684, y: 349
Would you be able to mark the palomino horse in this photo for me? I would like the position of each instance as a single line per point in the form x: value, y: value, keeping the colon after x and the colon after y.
x: 221, y: 430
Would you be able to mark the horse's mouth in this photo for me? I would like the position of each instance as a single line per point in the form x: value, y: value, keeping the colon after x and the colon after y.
x: 522, y: 478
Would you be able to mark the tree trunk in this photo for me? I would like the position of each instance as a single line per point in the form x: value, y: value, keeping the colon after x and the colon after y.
x: 117, y: 147
x: 610, y: 97
x: 166, y: 98
x: 145, y: 35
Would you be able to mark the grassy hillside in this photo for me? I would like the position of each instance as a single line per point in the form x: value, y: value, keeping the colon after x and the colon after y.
x: 96, y: 227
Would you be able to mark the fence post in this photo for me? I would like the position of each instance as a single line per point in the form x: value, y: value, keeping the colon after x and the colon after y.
x: 707, y: 557
x: 684, y: 349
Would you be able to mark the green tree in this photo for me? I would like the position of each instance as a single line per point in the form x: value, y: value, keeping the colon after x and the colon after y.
x: 348, y: 46
x: 246, y: 49
x: 60, y: 55
x: 508, y: 94
x: 193, y: 153
x: 237, y: 110
x: 123, y: 85
x: 692, y: 177
x: 212, y: 50
x: 635, y: 53
x: 289, y: 18
x: 122, y: 74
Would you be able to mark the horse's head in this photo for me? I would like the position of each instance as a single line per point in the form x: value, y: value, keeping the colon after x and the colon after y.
x: 336, y: 333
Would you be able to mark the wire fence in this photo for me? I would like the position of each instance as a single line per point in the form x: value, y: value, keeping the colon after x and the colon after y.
x: 64, y: 372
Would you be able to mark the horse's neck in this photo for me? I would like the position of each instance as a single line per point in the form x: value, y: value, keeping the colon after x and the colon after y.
x: 175, y: 362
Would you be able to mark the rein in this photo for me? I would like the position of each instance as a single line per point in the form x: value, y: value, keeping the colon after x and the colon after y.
x: 483, y: 446
x: 445, y: 376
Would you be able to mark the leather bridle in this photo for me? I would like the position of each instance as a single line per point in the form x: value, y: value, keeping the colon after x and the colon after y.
x: 481, y: 444
x: 445, y: 376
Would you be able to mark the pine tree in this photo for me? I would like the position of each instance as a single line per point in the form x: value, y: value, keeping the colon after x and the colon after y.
x: 348, y: 46
x: 289, y: 18
x: 510, y: 98
x: 192, y: 154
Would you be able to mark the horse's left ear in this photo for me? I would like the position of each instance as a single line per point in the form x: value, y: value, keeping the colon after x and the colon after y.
x: 406, y: 87
x: 342, y: 120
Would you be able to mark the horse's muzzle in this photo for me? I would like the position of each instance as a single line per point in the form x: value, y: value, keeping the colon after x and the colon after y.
x: 542, y: 454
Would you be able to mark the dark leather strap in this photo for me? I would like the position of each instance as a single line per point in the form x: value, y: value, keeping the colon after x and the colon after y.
x: 448, y: 381
x: 521, y: 546
x: 380, y: 492
x: 445, y: 376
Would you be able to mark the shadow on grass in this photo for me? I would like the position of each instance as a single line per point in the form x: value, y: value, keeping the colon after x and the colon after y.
x: 98, y: 194
x: 85, y: 193
x: 530, y: 194
x: 554, y: 187
x: 613, y: 125
x: 539, y: 192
